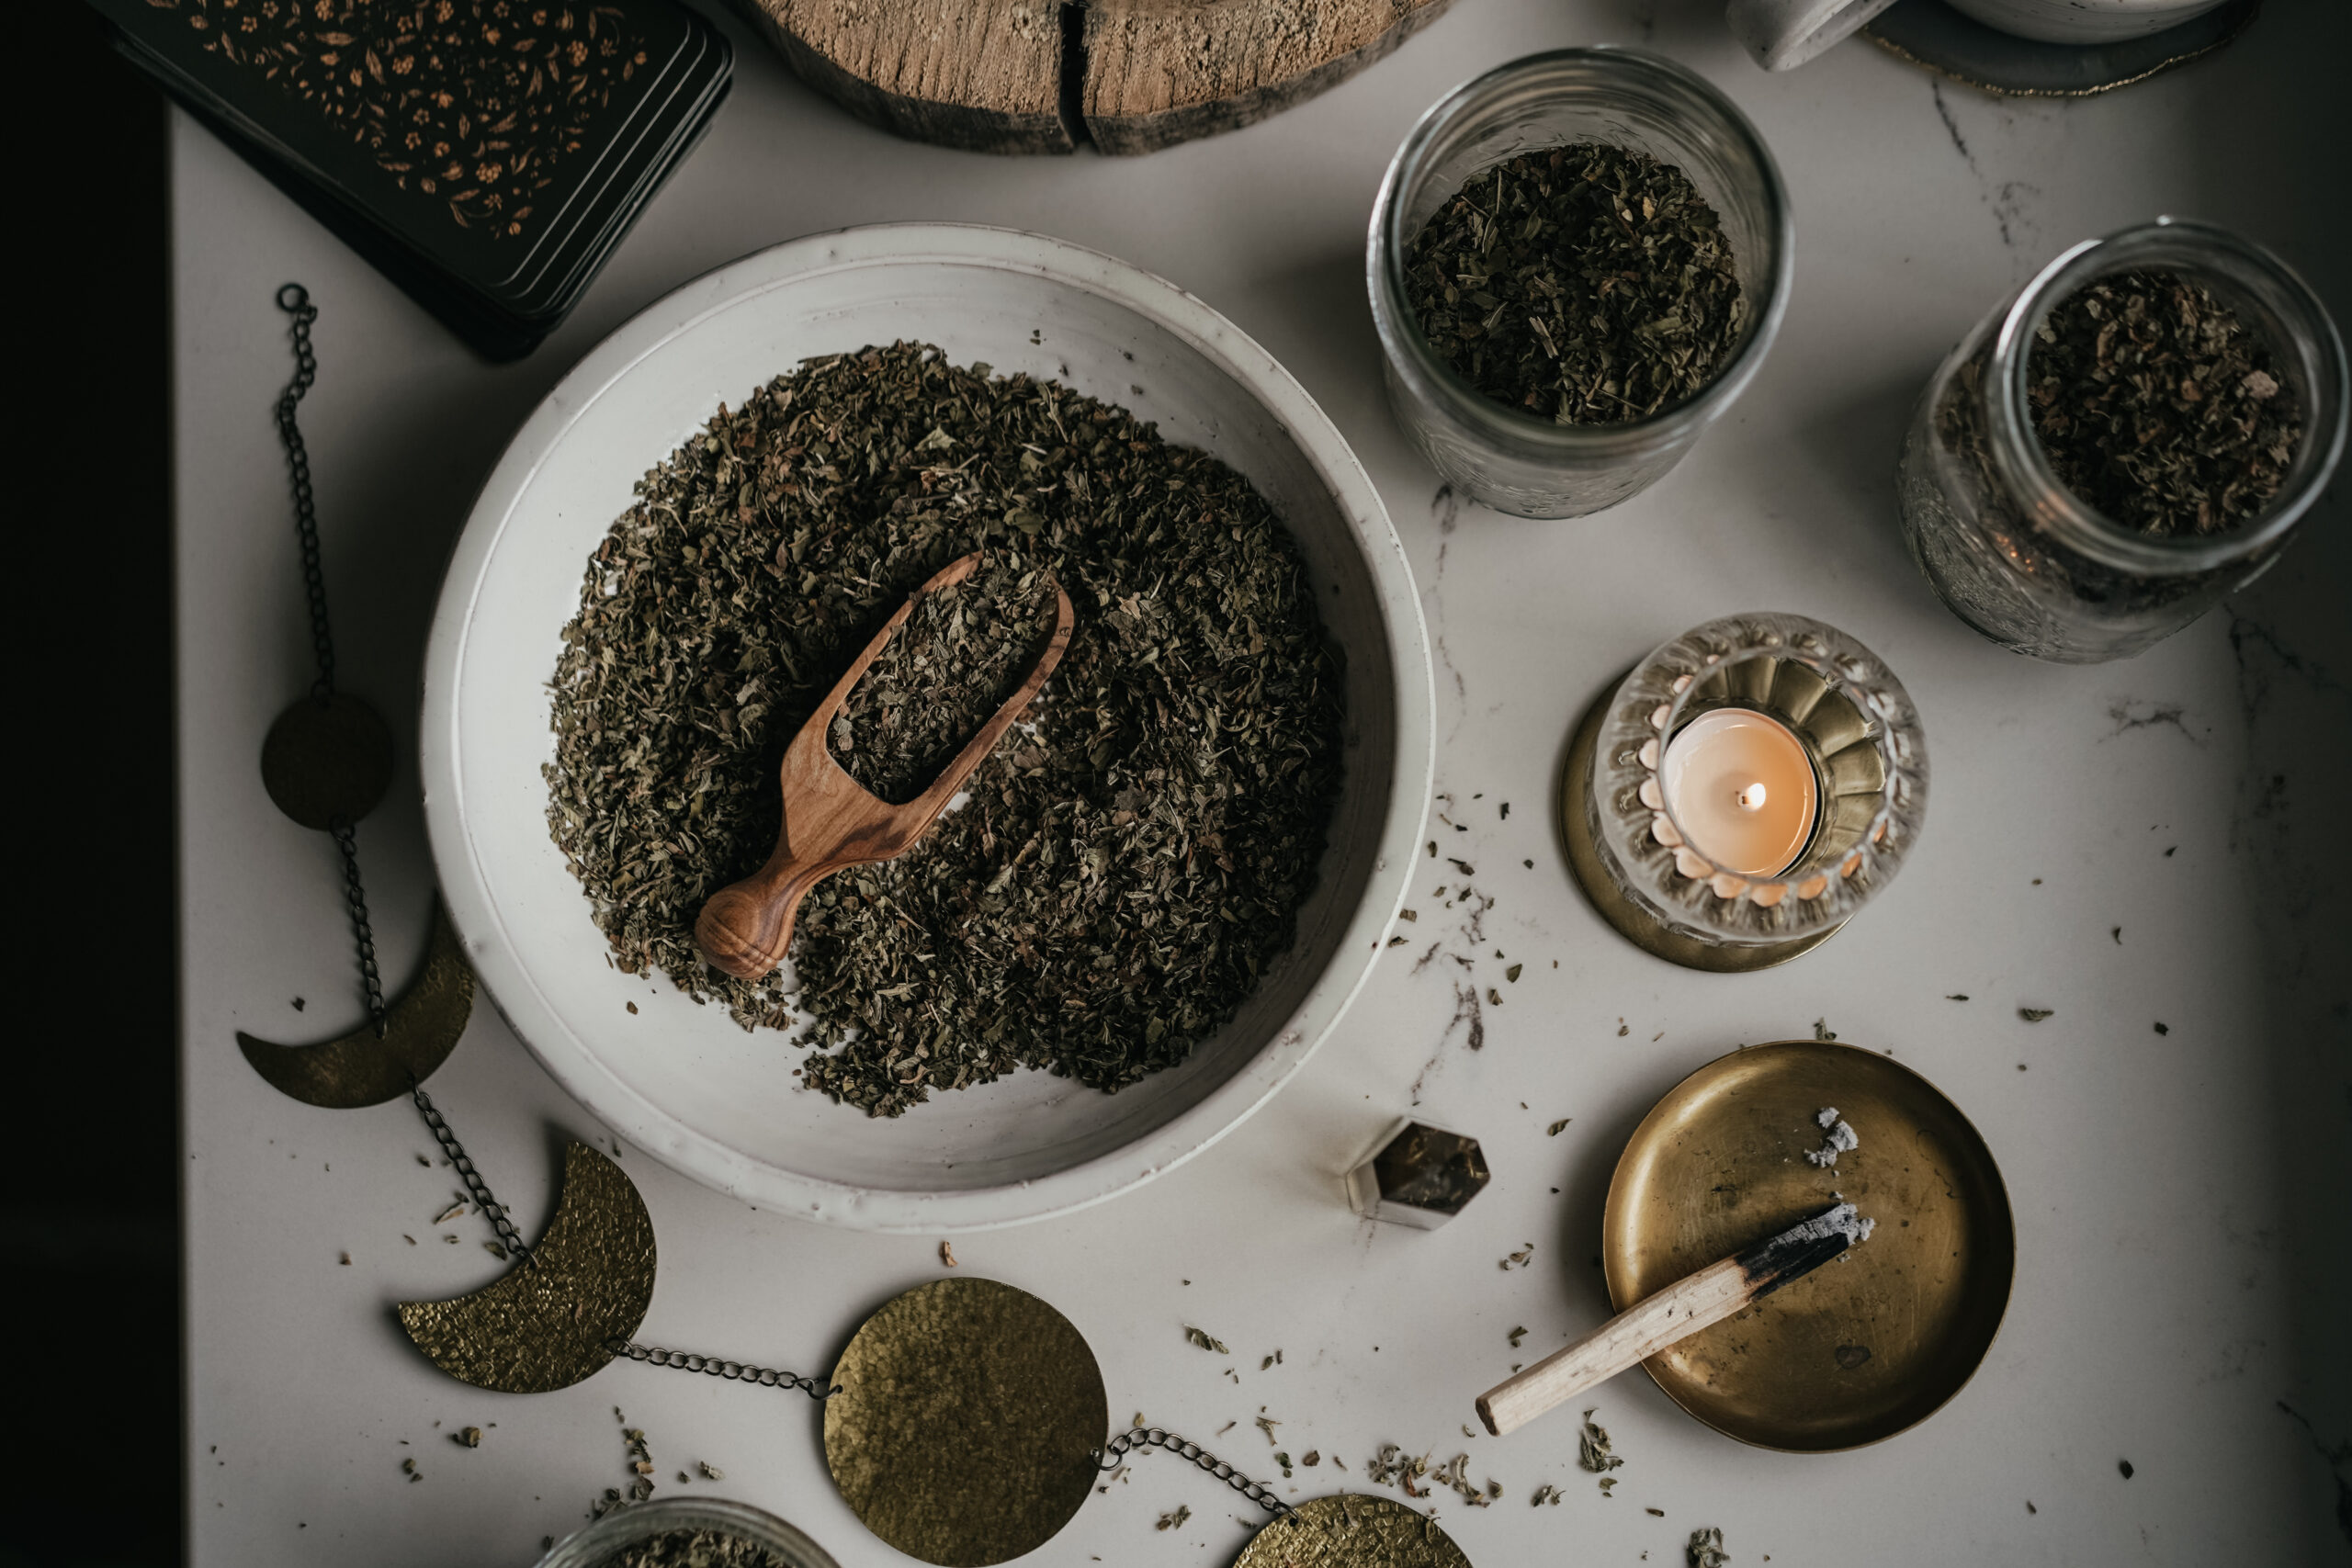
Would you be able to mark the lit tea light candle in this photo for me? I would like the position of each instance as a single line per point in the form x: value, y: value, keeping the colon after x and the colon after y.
x: 1742, y: 789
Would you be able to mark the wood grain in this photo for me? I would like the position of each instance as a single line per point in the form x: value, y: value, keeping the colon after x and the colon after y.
x: 1640, y: 1331
x: 1160, y: 71
x: 981, y: 75
x: 1035, y: 76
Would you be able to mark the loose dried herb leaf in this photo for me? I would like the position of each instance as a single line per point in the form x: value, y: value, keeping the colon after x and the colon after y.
x: 1175, y: 1520
x: 1706, y: 1548
x: 1130, y: 860
x: 1592, y: 1448
x: 1205, y: 1340
x: 1584, y: 285
x: 2159, y: 408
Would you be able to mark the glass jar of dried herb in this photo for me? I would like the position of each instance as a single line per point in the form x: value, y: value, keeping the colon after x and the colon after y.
x: 1576, y: 263
x: 2135, y: 436
x: 688, y: 1532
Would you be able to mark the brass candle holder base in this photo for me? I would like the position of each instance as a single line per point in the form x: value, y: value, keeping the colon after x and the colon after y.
x: 1632, y: 922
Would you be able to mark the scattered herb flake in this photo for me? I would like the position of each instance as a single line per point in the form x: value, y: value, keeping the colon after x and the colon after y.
x: 1593, y: 1451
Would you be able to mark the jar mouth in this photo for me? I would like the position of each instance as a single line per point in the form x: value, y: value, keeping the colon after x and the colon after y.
x: 1584, y: 72
x: 2312, y: 352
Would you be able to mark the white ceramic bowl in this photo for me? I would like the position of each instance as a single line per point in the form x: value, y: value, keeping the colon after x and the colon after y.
x: 2083, y: 21
x: 681, y: 1079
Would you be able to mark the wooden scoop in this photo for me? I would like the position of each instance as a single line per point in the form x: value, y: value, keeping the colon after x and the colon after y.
x: 831, y: 821
x: 1674, y: 1314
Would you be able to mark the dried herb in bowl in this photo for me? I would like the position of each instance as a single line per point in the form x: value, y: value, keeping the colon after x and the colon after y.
x: 1583, y: 285
x: 2158, y: 408
x: 1128, y: 863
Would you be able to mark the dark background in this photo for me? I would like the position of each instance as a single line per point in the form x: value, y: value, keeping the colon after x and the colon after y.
x: 97, y: 1303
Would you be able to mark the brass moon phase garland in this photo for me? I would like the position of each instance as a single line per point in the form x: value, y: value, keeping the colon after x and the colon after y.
x: 964, y: 1429
x: 326, y: 763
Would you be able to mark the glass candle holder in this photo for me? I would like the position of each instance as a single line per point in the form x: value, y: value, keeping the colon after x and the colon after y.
x: 2020, y: 557
x: 637, y: 1523
x: 1501, y: 456
x: 1754, y: 736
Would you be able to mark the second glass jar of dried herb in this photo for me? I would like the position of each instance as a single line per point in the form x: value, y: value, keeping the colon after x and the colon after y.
x: 2030, y: 564
x: 1487, y: 449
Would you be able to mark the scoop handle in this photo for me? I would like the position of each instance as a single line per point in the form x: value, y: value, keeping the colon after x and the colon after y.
x: 746, y: 927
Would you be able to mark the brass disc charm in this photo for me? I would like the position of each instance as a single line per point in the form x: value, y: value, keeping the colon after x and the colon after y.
x: 555, y: 1318
x: 965, y: 1421
x: 322, y: 761
x: 420, y: 1028
x: 1352, y: 1531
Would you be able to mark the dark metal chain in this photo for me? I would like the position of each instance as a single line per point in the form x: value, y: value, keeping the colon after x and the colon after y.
x: 1117, y: 1448
x: 346, y: 839
x: 294, y: 300
x: 475, y: 1185
x: 734, y: 1371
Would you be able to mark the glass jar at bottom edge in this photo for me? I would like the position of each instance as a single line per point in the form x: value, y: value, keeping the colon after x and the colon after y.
x: 637, y: 1523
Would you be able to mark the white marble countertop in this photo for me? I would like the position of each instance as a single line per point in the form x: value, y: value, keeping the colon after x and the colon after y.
x: 2180, y: 1198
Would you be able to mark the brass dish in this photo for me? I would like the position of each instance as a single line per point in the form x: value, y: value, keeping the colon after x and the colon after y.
x: 1632, y: 922
x: 1863, y: 1347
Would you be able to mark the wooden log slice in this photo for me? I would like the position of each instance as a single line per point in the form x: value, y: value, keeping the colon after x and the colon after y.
x: 983, y: 75
x: 1037, y: 77
x: 1160, y: 71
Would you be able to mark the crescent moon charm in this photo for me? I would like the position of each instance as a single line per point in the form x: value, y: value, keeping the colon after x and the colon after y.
x: 554, y: 1319
x: 422, y: 1029
x: 1352, y: 1531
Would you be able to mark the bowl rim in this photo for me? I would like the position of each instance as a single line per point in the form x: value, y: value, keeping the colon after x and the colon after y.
x: 464, y: 888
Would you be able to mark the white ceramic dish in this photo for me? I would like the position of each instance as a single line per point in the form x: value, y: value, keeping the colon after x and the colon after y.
x: 681, y: 1079
x: 2083, y: 21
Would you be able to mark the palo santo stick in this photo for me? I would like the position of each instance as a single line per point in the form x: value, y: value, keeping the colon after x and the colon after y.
x: 1674, y: 1314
